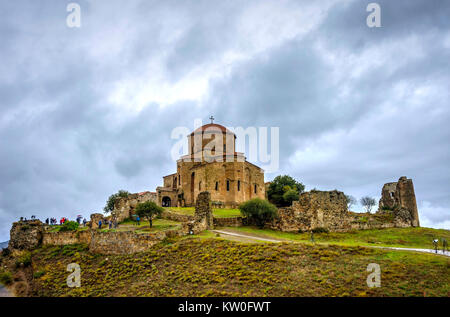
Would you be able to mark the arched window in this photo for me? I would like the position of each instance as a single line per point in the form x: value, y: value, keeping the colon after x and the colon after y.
x: 217, y: 185
x: 255, y: 188
x: 200, y: 185
x: 239, y: 185
x: 228, y: 185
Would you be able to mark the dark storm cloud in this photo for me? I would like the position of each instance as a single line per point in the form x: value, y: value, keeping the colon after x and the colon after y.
x: 356, y: 106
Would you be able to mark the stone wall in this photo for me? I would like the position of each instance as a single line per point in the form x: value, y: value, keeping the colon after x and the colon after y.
x: 123, y: 242
x: 229, y: 222
x: 203, y: 218
x: 68, y: 237
x: 123, y: 209
x: 170, y: 215
x: 328, y: 209
x: 26, y: 235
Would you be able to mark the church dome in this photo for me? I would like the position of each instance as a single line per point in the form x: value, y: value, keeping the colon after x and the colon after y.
x: 211, y: 128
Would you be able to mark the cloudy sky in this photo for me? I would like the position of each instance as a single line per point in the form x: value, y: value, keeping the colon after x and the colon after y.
x: 87, y: 111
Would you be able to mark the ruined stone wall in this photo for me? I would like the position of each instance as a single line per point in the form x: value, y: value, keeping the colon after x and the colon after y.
x: 229, y: 222
x: 68, y: 237
x: 399, y: 198
x: 328, y: 209
x: 123, y: 209
x: 170, y: 215
x: 203, y: 218
x: 26, y: 235
x: 121, y: 242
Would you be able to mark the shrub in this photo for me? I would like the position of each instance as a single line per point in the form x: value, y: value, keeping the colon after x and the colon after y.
x: 24, y: 259
x: 320, y: 230
x: 6, y: 278
x: 38, y: 274
x: 258, y: 210
x: 69, y: 226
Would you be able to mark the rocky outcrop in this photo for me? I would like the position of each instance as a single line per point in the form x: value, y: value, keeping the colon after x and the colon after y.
x: 26, y: 235
x: 399, y: 199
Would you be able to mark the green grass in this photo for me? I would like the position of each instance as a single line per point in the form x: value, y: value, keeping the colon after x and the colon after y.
x: 390, y: 237
x: 144, y: 226
x: 225, y: 268
x: 217, y: 212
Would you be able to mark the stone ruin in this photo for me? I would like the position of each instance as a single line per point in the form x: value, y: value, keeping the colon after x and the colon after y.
x: 123, y: 209
x: 26, y: 235
x: 328, y: 209
x: 203, y: 217
x: 400, y: 199
x: 314, y: 209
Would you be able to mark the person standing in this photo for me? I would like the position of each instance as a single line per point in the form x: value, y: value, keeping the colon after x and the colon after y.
x: 138, y: 220
x: 99, y: 224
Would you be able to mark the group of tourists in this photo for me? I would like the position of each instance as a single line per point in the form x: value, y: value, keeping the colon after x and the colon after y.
x: 53, y: 221
x: 110, y: 223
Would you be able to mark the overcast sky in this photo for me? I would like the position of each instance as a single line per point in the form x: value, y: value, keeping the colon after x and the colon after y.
x: 87, y: 111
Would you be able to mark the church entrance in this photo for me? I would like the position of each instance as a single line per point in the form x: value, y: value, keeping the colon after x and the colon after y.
x: 166, y: 201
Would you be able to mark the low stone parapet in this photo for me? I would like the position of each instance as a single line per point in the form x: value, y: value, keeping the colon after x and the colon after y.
x: 229, y: 222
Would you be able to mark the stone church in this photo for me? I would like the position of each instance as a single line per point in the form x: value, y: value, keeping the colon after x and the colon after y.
x: 212, y: 165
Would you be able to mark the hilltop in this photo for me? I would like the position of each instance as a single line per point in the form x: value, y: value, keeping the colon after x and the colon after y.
x: 211, y: 266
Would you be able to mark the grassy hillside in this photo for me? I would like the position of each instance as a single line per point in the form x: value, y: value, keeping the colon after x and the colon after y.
x: 214, y: 267
x: 391, y: 237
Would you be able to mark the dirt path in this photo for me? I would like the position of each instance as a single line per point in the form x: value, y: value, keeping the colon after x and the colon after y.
x: 249, y: 238
x: 230, y: 235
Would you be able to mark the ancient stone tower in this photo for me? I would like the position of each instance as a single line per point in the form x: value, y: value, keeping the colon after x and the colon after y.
x: 400, y: 198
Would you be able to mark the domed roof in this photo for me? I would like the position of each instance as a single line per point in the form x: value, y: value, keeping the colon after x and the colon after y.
x: 212, y: 127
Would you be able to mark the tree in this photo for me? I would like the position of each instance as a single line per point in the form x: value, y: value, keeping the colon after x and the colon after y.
x: 109, y: 207
x: 148, y: 209
x: 259, y: 210
x: 290, y: 195
x: 368, y: 203
x: 279, y: 186
x: 350, y: 201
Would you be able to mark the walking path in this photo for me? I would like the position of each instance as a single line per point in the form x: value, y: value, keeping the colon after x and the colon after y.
x: 248, y: 237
